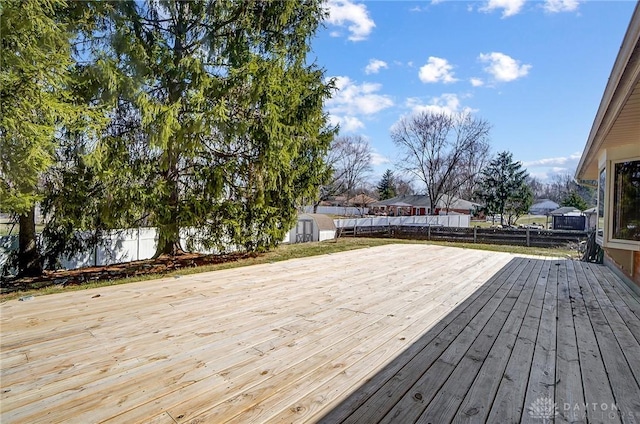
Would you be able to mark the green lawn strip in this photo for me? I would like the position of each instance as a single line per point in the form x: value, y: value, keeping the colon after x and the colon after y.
x: 292, y: 251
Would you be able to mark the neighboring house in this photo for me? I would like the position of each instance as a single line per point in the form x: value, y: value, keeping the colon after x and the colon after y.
x: 452, y: 204
x: 543, y: 207
x: 361, y: 201
x: 403, y: 206
x: 611, y: 160
x: 337, y: 201
x: 568, y: 218
x: 421, y: 205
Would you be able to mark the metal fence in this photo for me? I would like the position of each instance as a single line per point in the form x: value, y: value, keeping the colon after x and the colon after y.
x: 517, y: 237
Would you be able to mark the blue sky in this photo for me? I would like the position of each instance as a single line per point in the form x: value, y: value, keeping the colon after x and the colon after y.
x: 536, y: 70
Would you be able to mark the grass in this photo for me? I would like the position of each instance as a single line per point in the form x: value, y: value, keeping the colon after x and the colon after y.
x: 8, y: 228
x: 531, y: 219
x: 293, y: 251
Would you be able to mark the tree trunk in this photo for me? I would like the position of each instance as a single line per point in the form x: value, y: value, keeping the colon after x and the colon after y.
x: 169, y: 231
x: 169, y: 247
x: 169, y: 225
x: 29, y: 263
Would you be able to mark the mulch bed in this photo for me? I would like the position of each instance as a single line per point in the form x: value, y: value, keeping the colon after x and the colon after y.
x: 161, y: 265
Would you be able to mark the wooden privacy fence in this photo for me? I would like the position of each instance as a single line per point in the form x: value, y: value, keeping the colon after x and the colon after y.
x: 517, y: 237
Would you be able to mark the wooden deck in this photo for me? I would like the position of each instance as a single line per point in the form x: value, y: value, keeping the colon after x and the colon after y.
x: 396, y: 334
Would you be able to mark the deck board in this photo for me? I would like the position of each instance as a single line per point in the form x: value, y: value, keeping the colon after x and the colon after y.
x: 482, y: 392
x: 398, y: 333
x: 569, y: 389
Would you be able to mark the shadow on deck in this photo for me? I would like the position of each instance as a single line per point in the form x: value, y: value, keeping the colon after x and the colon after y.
x: 542, y: 340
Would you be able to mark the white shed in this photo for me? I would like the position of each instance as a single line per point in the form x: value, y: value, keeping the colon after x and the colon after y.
x: 312, y: 227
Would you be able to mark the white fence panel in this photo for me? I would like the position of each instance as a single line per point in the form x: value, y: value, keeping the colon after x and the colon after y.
x: 117, y: 246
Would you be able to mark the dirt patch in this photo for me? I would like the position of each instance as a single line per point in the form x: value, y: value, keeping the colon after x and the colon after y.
x: 161, y: 265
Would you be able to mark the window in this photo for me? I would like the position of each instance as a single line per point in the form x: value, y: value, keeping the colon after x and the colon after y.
x: 626, y: 201
x: 601, y: 208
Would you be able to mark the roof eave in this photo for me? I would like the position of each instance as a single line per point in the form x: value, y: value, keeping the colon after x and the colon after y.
x: 613, y: 99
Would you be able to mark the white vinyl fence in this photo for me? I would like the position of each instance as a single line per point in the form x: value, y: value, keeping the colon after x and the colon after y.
x: 458, y: 221
x: 117, y: 246
x: 120, y: 246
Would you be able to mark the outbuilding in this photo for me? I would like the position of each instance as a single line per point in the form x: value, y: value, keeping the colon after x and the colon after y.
x: 568, y: 218
x: 312, y: 227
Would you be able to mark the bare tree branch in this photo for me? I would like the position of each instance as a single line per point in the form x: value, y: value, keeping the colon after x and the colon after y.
x: 444, y: 151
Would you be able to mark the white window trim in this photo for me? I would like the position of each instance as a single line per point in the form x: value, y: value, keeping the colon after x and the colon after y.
x: 599, y: 238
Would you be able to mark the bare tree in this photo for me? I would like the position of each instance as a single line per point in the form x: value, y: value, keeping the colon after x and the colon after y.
x: 442, y: 150
x: 538, y: 188
x: 403, y: 187
x: 469, y: 171
x: 353, y: 164
x: 349, y: 157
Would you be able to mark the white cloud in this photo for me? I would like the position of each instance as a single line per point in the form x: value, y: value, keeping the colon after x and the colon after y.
x: 436, y: 70
x: 556, y: 6
x: 554, y: 162
x: 476, y: 82
x: 378, y: 159
x: 374, y: 66
x: 357, y: 99
x: 447, y: 103
x: 509, y: 7
x: 352, y: 15
x: 541, y: 176
x: 351, y: 102
x: 347, y: 123
x: 503, y: 67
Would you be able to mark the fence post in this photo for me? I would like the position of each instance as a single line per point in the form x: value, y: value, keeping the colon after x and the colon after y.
x: 528, y: 238
x: 429, y: 232
x: 475, y: 234
x: 138, y: 247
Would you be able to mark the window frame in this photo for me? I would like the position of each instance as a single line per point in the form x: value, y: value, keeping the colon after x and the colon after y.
x: 613, y: 198
x: 608, y: 240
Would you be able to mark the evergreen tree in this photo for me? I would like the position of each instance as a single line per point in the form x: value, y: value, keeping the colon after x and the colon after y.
x: 37, y: 104
x: 503, y: 187
x: 519, y: 204
x: 574, y: 199
x: 227, y: 128
x: 387, y: 186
